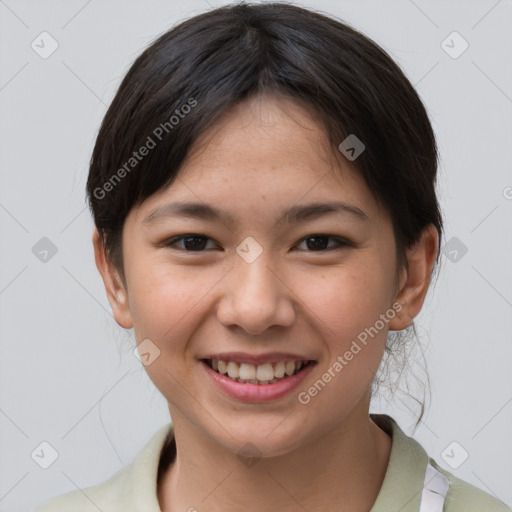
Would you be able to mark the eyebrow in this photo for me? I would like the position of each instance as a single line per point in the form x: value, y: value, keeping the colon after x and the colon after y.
x: 292, y: 215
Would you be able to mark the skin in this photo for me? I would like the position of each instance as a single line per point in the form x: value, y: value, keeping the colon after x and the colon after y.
x: 265, y: 155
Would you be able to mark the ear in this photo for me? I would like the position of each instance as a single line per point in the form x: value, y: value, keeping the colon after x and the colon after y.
x: 415, y: 280
x: 116, y: 292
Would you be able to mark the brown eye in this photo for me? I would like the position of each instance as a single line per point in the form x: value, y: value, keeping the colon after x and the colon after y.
x: 191, y: 242
x: 319, y: 242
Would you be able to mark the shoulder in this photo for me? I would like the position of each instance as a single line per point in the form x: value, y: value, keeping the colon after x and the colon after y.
x: 464, y: 497
x: 105, y: 497
x: 131, y: 489
x: 415, y: 482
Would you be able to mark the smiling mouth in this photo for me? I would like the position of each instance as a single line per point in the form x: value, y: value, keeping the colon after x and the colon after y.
x: 267, y: 373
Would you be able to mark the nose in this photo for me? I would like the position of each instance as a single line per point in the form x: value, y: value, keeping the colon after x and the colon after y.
x: 255, y: 297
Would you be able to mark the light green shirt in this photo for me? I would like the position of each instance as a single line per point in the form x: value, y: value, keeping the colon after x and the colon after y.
x: 134, y: 488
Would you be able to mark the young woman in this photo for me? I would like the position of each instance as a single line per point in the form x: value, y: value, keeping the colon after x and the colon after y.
x: 263, y: 191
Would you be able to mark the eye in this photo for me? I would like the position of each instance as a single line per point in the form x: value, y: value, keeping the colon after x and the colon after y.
x: 192, y: 242
x: 319, y: 242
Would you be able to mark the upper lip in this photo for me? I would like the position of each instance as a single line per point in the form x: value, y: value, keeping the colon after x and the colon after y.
x: 256, y: 359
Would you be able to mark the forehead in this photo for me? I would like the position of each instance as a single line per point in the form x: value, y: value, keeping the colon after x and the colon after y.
x: 268, y: 129
x: 265, y: 153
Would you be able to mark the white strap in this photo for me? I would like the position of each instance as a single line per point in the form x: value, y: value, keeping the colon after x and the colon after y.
x: 435, y: 487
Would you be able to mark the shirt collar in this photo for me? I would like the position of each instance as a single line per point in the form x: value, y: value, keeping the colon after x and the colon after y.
x: 140, y: 492
x: 400, y: 491
x: 403, y: 482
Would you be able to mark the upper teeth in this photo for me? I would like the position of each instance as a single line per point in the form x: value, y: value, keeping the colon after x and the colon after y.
x: 262, y: 372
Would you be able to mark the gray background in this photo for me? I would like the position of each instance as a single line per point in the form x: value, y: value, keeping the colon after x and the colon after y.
x: 65, y: 377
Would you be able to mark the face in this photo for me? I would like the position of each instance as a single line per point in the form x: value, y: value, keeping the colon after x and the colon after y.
x: 258, y: 282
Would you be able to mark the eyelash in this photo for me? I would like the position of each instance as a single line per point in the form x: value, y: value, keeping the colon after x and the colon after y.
x: 341, y: 242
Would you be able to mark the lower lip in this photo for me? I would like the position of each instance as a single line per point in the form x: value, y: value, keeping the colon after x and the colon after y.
x: 257, y: 392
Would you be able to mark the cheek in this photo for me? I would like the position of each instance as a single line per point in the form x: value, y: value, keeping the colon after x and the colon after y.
x: 347, y: 307
x: 162, y: 301
x: 165, y: 302
x: 347, y: 300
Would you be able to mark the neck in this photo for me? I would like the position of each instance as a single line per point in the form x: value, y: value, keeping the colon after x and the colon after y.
x: 341, y: 470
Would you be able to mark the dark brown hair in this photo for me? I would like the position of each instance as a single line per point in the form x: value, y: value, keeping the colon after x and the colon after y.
x: 191, y: 75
